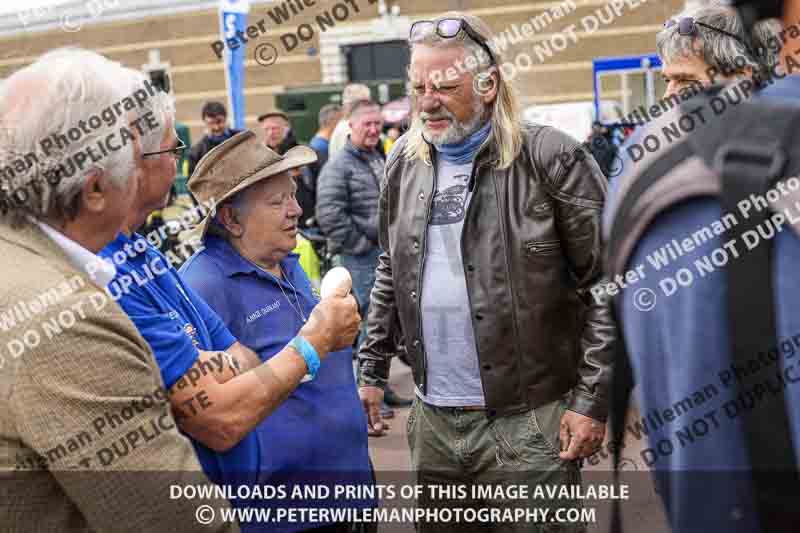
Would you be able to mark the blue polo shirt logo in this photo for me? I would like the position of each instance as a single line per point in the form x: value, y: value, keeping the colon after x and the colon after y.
x: 192, y: 333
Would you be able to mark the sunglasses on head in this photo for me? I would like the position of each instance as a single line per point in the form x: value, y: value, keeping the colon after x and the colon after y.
x: 688, y: 26
x: 448, y: 28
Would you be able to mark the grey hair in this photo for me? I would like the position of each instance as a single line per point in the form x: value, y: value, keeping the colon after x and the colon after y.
x: 53, y: 96
x: 327, y: 113
x: 359, y: 106
x: 239, y: 203
x: 506, y: 128
x: 717, y: 50
x: 162, y: 107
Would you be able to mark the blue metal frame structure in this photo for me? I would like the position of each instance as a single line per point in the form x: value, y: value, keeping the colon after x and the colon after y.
x: 611, y: 64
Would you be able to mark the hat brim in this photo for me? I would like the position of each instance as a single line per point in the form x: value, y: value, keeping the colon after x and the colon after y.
x: 295, y: 157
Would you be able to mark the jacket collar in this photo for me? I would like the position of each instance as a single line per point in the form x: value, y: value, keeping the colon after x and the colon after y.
x: 232, y: 263
x: 31, y: 237
x: 81, y: 258
x: 358, y: 152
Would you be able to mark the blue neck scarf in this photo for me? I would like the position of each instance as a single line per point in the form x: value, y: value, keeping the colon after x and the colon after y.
x: 464, y: 152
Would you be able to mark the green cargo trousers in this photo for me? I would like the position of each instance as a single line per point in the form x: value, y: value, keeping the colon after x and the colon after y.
x: 481, y: 475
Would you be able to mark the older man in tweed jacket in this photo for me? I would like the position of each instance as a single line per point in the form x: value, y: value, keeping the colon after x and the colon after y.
x: 87, y: 439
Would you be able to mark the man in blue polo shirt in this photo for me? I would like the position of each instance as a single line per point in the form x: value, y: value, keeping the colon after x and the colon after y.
x: 248, y: 274
x: 220, y: 390
x: 679, y: 347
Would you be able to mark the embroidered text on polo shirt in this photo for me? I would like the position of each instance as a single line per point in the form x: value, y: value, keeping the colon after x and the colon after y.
x: 264, y: 311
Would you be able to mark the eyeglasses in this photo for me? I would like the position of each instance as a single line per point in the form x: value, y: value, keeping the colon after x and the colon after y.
x: 688, y: 26
x: 448, y: 29
x: 176, y: 152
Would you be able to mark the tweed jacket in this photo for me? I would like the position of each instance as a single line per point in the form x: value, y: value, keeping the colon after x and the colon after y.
x: 87, y: 439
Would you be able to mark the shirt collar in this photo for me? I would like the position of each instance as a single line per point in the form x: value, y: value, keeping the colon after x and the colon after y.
x: 101, y: 271
x: 232, y: 263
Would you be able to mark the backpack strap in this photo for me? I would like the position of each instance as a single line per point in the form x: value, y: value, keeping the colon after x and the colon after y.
x: 750, y: 155
x: 629, y: 224
x: 751, y: 169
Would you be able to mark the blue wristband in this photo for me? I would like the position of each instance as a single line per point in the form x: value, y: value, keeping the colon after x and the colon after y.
x: 308, y: 352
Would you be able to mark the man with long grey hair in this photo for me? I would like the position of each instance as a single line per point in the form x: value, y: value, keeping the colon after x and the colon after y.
x: 491, y: 245
x: 706, y: 44
x: 87, y: 438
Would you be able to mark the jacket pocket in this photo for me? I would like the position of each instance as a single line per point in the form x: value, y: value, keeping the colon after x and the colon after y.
x: 537, y: 248
x: 540, y: 209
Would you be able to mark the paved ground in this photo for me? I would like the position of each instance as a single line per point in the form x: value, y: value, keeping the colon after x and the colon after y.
x: 642, y: 513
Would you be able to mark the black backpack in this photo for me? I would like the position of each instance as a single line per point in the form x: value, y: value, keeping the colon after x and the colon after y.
x: 745, y: 149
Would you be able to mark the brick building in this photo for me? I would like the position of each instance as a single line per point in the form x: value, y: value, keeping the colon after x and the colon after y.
x: 560, y: 38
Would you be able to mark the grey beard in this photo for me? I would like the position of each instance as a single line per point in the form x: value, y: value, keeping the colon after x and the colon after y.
x: 458, y: 131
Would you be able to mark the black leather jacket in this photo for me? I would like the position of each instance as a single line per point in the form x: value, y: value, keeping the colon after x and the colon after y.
x: 531, y: 250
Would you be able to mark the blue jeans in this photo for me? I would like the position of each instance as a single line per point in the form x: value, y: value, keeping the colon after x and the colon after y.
x: 362, y: 269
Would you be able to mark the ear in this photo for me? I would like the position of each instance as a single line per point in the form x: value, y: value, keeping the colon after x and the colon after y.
x: 487, y: 84
x: 94, y: 192
x: 228, y: 218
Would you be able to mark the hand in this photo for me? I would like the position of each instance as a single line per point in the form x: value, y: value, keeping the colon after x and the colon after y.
x: 580, y: 435
x: 371, y: 398
x: 334, y: 323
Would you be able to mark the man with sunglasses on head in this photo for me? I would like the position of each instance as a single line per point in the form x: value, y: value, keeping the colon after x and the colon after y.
x: 491, y: 245
x: 705, y: 45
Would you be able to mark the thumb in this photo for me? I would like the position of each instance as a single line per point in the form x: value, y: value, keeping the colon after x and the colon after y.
x: 342, y: 289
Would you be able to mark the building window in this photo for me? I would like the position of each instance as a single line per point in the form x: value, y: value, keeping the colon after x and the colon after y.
x: 377, y: 61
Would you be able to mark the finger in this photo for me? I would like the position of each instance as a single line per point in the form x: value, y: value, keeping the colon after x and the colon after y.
x: 375, y: 414
x: 573, y: 452
x: 563, y: 436
x: 372, y: 432
x: 586, y: 449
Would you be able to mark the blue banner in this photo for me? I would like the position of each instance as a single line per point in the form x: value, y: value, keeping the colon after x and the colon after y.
x: 233, y: 19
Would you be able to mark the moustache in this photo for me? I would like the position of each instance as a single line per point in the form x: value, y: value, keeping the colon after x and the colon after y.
x: 441, y: 116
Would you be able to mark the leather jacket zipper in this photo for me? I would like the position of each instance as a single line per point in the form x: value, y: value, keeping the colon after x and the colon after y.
x: 541, y: 247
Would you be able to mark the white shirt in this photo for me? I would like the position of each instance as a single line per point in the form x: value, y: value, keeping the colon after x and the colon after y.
x: 101, y: 271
